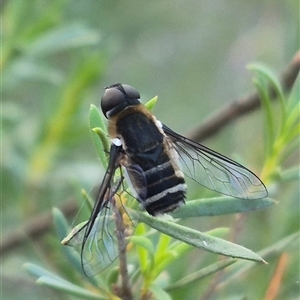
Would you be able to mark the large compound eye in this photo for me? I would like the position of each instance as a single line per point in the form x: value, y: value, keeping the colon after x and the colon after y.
x: 118, y: 97
x: 112, y: 97
x: 131, y: 92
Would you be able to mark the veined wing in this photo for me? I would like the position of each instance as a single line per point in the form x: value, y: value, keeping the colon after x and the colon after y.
x: 97, y: 238
x: 214, y: 170
x: 100, y: 248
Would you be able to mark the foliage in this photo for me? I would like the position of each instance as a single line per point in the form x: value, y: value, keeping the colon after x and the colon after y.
x: 155, y: 253
x: 54, y: 57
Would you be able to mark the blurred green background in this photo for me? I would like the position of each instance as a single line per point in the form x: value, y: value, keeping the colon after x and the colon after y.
x: 57, y: 56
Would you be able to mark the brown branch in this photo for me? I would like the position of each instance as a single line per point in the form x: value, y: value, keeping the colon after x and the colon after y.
x: 41, y: 224
x: 277, y: 282
x: 242, y: 106
x: 124, y: 292
x: 33, y: 229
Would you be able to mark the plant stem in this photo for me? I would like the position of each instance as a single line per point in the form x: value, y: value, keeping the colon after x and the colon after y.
x: 125, y: 291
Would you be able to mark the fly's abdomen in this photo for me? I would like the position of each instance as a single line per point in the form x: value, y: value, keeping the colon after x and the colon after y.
x: 165, y: 189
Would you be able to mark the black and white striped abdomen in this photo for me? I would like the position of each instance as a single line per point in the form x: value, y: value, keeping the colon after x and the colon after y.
x: 165, y: 186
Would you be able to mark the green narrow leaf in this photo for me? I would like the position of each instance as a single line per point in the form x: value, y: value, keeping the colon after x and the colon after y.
x: 37, y: 271
x: 96, y: 118
x: 143, y: 242
x: 209, y: 270
x: 62, y: 228
x: 198, y: 239
x: 47, y: 278
x: 294, y: 95
x: 180, y: 248
x: 66, y: 37
x: 89, y: 201
x: 219, y: 206
x: 269, y: 127
x: 70, y: 253
x: 240, y: 267
x: 103, y: 137
x: 218, y: 232
x: 293, y: 117
x: 168, y: 257
x: 290, y: 174
x: 60, y: 223
x: 57, y: 127
x: 159, y: 293
x: 166, y: 253
x: 151, y: 103
x: 265, y: 72
x: 281, y: 244
x: 292, y: 126
x: 97, y: 121
x: 27, y: 69
x: 174, y: 252
x: 67, y: 287
x: 143, y: 253
x: 163, y: 243
x: 75, y: 237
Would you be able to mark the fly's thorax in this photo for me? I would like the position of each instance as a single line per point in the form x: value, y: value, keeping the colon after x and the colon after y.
x: 137, y: 129
x: 114, y: 130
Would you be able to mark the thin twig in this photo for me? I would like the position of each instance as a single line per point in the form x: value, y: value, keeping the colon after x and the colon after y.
x: 244, y: 105
x: 206, y: 129
x: 277, y: 280
x: 34, y: 228
x: 125, y: 291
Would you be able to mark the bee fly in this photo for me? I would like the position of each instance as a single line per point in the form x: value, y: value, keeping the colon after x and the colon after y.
x: 152, y: 155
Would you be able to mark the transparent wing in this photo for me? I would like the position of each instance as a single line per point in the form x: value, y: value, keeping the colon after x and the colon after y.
x: 215, y: 171
x: 98, y: 238
x: 104, y: 235
x: 100, y: 248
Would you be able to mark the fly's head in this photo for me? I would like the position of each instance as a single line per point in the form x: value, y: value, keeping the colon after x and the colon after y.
x: 118, y: 97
